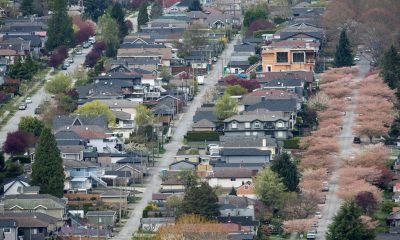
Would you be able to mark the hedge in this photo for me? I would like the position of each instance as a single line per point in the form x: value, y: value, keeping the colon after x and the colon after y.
x: 202, y: 136
x: 291, y: 143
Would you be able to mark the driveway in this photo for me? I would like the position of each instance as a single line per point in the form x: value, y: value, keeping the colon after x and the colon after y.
x: 182, y: 126
x: 37, y: 98
x: 345, y: 141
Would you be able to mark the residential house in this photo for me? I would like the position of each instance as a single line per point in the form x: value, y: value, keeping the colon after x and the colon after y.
x: 273, y: 124
x: 216, y: 165
x: 81, y: 175
x: 290, y: 55
x: 245, y: 155
x: 70, y: 152
x: 307, y: 77
x: 13, y: 185
x: 35, y: 43
x: 217, y: 19
x: 261, y: 95
x: 246, y: 190
x: 117, y: 178
x: 26, y: 226
x: 289, y: 106
x: 148, y: 64
x: 101, y: 218
x: 303, y: 12
x: 205, y: 112
x: 160, y: 198
x: 233, y: 210
x: 172, y: 185
x: 197, y: 17
x: 114, y: 197
x: 36, y: 203
x: 257, y: 142
x: 230, y: 177
x: 302, y: 31
x: 154, y: 51
x: 183, y: 165
x: 244, y: 221
x: 135, y: 171
x: 204, y: 125
x: 76, y: 120
x: 394, y: 222
x: 164, y: 22
x: 245, y: 48
x: 289, y: 84
x: 148, y: 76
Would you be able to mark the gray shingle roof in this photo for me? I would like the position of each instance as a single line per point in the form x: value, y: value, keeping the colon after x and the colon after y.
x: 205, y: 114
x: 204, y: 123
x: 100, y: 213
x: 245, y: 152
x: 118, y: 173
x: 232, y: 173
x: 31, y: 201
x: 28, y: 219
x: 64, y: 120
x: 284, y: 82
x: 241, y: 141
x: 122, y: 115
x: 285, y: 105
x: 244, y: 48
x: 69, y: 163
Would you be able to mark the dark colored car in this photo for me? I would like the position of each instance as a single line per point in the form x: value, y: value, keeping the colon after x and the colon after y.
x: 356, y: 140
x: 38, y: 110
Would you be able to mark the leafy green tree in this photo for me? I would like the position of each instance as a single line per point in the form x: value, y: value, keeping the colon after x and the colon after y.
x: 27, y: 7
x: 235, y: 90
x: 390, y: 64
x: 225, y: 107
x: 107, y: 32
x: 195, y: 5
x: 255, y: 12
x: 60, y: 83
x: 95, y: 8
x: 174, y: 203
x: 189, y: 178
x: 13, y: 169
x: 287, y: 170
x: 143, y: 16
x: 165, y: 74
x: 66, y: 103
x: 32, y: 125
x: 143, y: 116
x: 60, y: 30
x: 269, y: 188
x: 193, y: 38
x: 348, y: 225
x: 343, y: 54
x: 81, y: 77
x: 200, y: 200
x: 47, y: 169
x: 118, y: 14
x: 233, y: 192
x: 96, y: 108
x: 156, y: 10
x: 23, y: 68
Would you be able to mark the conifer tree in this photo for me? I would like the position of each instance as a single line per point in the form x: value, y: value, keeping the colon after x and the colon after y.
x: 201, y: 200
x: 143, y: 16
x: 47, y: 169
x: 343, y: 55
x: 287, y: 170
x: 391, y: 67
x: 348, y: 225
x: 60, y: 30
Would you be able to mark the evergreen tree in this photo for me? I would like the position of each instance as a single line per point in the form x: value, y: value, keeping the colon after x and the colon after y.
x: 60, y: 30
x: 47, y: 169
x: 348, y: 225
x: 27, y: 7
x: 390, y: 64
x: 95, y: 8
x: 287, y: 170
x: 143, y: 16
x: 117, y: 13
x: 343, y: 54
x: 156, y: 10
x: 195, y: 6
x: 201, y: 200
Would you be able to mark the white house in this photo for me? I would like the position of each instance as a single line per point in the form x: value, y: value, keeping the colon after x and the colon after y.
x: 231, y: 177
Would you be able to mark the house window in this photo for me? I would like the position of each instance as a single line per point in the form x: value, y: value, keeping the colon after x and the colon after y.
x: 233, y: 179
x: 257, y: 125
x: 246, y: 125
x: 279, y: 124
x: 247, y: 133
x: 6, y: 230
x: 279, y: 134
x: 282, y: 57
x: 78, y: 169
x: 298, y: 57
x: 234, y: 125
x: 35, y: 231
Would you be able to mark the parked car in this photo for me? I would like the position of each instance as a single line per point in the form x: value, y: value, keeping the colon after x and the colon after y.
x: 92, y: 40
x: 22, y: 106
x: 356, y: 140
x: 38, y: 110
x: 70, y: 60
x: 78, y: 52
x: 64, y: 67
x: 325, y: 186
x: 28, y: 100
x: 318, y: 215
x: 357, y: 58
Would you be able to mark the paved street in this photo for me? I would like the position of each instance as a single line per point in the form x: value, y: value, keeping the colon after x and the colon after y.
x: 345, y: 141
x: 172, y: 147
x: 37, y: 98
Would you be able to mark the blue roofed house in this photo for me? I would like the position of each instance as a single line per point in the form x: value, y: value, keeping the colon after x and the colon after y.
x: 81, y: 176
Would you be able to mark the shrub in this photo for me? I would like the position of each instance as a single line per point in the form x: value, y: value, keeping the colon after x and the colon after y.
x: 292, y: 143
x: 202, y: 136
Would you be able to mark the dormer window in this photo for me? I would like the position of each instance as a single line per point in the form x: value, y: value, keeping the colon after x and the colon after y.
x: 279, y: 125
x: 247, y: 125
x: 234, y: 125
x: 257, y: 124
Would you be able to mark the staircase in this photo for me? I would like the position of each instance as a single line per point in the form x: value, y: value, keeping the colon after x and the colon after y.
x: 97, y: 179
x: 253, y: 67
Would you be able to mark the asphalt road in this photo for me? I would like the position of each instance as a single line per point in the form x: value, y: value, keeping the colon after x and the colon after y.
x: 345, y: 140
x: 37, y: 98
x: 180, y: 129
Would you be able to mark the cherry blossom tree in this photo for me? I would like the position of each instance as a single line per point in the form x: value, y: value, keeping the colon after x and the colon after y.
x: 376, y: 155
x: 298, y: 225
